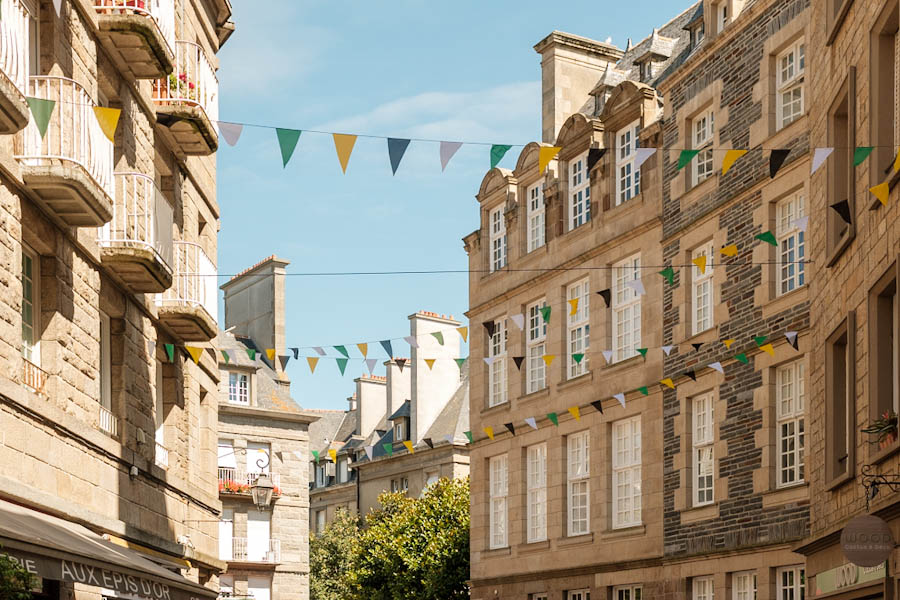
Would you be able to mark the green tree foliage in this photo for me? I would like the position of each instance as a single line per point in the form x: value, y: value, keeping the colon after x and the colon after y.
x: 409, y: 549
x: 15, y: 581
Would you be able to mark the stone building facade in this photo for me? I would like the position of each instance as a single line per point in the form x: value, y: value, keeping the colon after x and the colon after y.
x: 262, y: 430
x: 693, y: 491
x: 108, y: 253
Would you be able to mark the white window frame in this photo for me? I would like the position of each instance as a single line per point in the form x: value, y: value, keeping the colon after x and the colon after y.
x: 498, y: 384
x: 626, y: 473
x: 497, y: 225
x: 790, y: 71
x: 703, y: 438
x: 536, y: 494
x: 31, y: 343
x: 703, y: 135
x: 541, y: 596
x: 791, y: 244
x: 790, y: 583
x: 578, y: 332
x: 320, y: 521
x: 498, y: 486
x: 578, y: 460
x: 628, y: 592
x: 578, y: 595
x: 536, y: 348
x: 239, y: 388
x: 399, y: 430
x: 105, y: 362
x: 626, y: 306
x: 703, y: 588
x: 628, y: 174
x: 722, y: 18
x: 320, y: 475
x: 790, y: 410
x: 702, y: 290
x: 579, y: 192
x: 743, y: 585
x: 343, y: 471
x: 536, y: 217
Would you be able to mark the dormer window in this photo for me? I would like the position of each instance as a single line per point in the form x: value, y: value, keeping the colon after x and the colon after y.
x: 239, y: 388
x: 646, y: 71
x: 722, y: 16
x: 401, y: 430
x: 697, y: 34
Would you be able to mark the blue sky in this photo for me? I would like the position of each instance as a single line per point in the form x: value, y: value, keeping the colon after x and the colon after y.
x: 406, y: 68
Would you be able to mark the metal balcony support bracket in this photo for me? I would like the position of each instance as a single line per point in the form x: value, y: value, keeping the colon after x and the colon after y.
x: 872, y: 482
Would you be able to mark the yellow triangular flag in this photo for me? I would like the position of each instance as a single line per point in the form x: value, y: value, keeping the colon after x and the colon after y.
x: 731, y: 250
x: 882, y: 191
x: 668, y: 383
x: 575, y: 412
x: 270, y: 352
x: 489, y: 431
x: 195, y: 353
x: 333, y: 454
x: 897, y: 163
x: 728, y: 343
x: 545, y: 155
x: 344, y: 143
x: 700, y: 261
x: 313, y: 361
x: 430, y: 363
x: 108, y: 118
x: 364, y: 349
x: 409, y: 446
x: 768, y: 349
x: 730, y: 158
x: 464, y: 332
x: 574, y: 304
x: 548, y: 358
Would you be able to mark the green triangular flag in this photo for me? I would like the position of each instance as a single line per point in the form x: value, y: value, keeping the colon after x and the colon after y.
x: 41, y: 110
x: 170, y: 351
x: 644, y: 390
x: 343, y: 351
x: 226, y: 357
x: 742, y: 358
x: 861, y: 154
x: 578, y: 358
x: 315, y: 454
x: 760, y: 340
x: 388, y: 448
x: 553, y: 418
x: 469, y: 435
x: 251, y: 353
x: 438, y: 336
x: 460, y: 362
x: 686, y: 157
x: 287, y: 140
x: 642, y: 351
x: 767, y: 237
x: 545, y: 314
x: 342, y: 364
x: 669, y: 274
x: 497, y: 152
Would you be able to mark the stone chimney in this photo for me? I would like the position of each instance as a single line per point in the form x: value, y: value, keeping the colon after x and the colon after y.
x: 571, y: 65
x: 254, y: 307
x: 432, y: 388
x: 398, y: 385
x: 371, y: 391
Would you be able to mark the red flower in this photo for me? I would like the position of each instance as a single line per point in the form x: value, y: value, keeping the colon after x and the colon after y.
x: 183, y: 77
x: 191, y: 85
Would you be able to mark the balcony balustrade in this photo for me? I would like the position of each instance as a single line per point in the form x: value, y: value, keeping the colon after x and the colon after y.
x: 33, y: 377
x: 162, y: 456
x: 137, y: 244
x: 139, y: 35
x: 108, y: 422
x: 70, y: 168
x: 190, y: 306
x: 14, y: 68
x: 187, y: 101
x: 255, y: 551
x: 237, y: 482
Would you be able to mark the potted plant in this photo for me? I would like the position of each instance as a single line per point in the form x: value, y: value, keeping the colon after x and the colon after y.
x: 885, y: 428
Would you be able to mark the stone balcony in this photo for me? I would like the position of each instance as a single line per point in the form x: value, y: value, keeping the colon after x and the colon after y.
x: 70, y: 168
x: 235, y: 482
x: 187, y: 102
x: 244, y: 550
x: 139, y: 35
x: 190, y: 306
x: 137, y: 244
x: 14, y: 27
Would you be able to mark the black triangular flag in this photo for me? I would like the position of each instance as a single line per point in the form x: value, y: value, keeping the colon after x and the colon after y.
x: 598, y: 405
x: 697, y: 346
x: 491, y: 326
x: 401, y: 362
x: 511, y: 427
x: 776, y: 159
x: 594, y: 156
x: 518, y: 360
x: 428, y: 442
x: 692, y: 374
x: 606, y: 295
x: 843, y: 209
x: 283, y: 359
x: 296, y: 352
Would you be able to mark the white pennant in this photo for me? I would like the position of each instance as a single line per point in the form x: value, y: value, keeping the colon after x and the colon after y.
x: 531, y: 422
x: 411, y: 340
x: 151, y: 347
x: 667, y: 349
x: 641, y: 155
x: 519, y: 320
x: 57, y: 5
x: 717, y: 366
x: 370, y: 364
x: 230, y: 131
x: 368, y: 450
x: 802, y: 223
x: 298, y: 454
x: 319, y: 350
x: 819, y: 158
x: 449, y: 438
x: 489, y: 360
x: 637, y: 285
x: 607, y: 354
x: 620, y: 398
x: 448, y: 149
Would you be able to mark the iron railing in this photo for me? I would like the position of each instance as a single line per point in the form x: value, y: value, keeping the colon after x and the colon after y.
x: 33, y: 377
x: 162, y: 456
x: 193, y: 82
x: 14, y: 43
x: 108, y: 422
x: 251, y: 550
x: 195, y: 280
x: 142, y: 217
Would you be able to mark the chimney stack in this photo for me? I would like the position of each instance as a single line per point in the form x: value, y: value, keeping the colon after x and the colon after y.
x: 371, y: 392
x: 398, y: 384
x: 432, y: 388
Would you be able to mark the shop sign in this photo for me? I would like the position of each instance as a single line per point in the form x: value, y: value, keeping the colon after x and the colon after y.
x: 867, y: 541
x: 846, y: 576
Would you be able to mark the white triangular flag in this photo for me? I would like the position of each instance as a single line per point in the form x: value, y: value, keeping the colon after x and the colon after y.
x: 449, y: 438
x: 368, y: 450
x: 489, y: 360
x: 819, y: 158
x: 717, y: 366
x: 802, y: 223
x: 641, y: 155
x: 637, y: 285
x: 448, y: 149
x: 607, y: 354
x: 151, y: 347
x: 57, y: 5
x: 519, y: 320
x: 230, y: 131
x: 319, y: 350
x: 620, y: 398
x: 298, y: 454
x: 411, y: 340
x: 667, y: 349
x: 370, y: 364
x: 531, y: 422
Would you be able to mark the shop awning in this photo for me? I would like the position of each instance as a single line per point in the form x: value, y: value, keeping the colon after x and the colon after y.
x: 53, y: 548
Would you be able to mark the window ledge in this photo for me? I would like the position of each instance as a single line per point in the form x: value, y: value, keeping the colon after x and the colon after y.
x: 572, y: 233
x: 496, y: 552
x: 542, y: 393
x: 838, y: 481
x: 786, y: 301
x: 495, y: 409
x: 630, y: 203
x: 705, y: 337
x: 701, y: 188
x: 577, y: 381
x: 624, y: 532
x: 576, y: 540
x: 530, y: 547
x: 835, y: 25
x: 699, y: 513
x: 840, y: 246
x: 623, y: 364
x: 789, y: 494
x: 878, y: 455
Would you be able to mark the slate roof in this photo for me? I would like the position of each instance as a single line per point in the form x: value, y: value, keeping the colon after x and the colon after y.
x: 401, y: 412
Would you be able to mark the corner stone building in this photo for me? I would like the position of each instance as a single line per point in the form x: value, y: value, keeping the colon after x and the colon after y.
x: 107, y: 264
x: 695, y: 491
